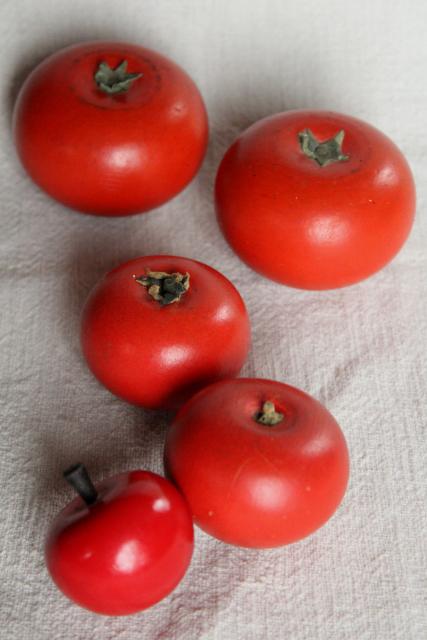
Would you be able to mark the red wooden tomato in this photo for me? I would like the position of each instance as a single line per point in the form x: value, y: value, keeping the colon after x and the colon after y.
x: 158, y: 328
x: 261, y: 463
x: 110, y: 128
x: 122, y: 546
x: 315, y: 199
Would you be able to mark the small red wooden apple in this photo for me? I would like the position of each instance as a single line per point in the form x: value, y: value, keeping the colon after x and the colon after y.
x: 120, y: 547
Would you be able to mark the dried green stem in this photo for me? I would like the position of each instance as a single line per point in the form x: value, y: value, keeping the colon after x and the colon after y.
x: 163, y: 287
x: 114, y: 81
x: 323, y: 153
x: 268, y: 415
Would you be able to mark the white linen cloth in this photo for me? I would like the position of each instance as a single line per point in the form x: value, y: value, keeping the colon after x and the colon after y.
x: 360, y: 350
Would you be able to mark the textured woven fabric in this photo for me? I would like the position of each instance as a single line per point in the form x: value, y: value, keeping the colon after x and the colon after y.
x: 360, y: 350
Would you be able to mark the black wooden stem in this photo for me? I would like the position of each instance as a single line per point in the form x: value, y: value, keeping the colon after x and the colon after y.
x: 77, y: 476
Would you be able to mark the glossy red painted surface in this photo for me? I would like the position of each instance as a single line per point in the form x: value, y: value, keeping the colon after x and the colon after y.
x: 310, y: 226
x: 125, y: 552
x: 254, y: 485
x: 103, y: 154
x: 156, y: 356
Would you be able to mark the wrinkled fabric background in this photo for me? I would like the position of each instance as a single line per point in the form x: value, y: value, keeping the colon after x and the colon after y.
x: 360, y: 350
